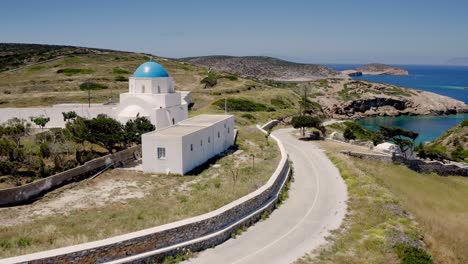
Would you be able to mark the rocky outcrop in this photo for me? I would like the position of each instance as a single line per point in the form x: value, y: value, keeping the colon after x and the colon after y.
x: 352, y: 73
x: 361, y: 106
x: 264, y: 68
x: 377, y: 69
x: 353, y: 99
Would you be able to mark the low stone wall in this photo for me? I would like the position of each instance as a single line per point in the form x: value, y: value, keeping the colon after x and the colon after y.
x: 416, y: 165
x: 270, y: 124
x: 31, y: 191
x: 369, y: 156
x: 433, y: 167
x: 195, y: 233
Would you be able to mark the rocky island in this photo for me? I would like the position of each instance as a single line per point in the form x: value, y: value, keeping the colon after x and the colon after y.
x: 375, y: 69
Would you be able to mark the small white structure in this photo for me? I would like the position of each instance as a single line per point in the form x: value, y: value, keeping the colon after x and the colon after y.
x: 152, y: 94
x: 388, y: 148
x: 188, y: 144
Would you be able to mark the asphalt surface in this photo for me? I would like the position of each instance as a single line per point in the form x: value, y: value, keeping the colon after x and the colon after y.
x: 316, y: 205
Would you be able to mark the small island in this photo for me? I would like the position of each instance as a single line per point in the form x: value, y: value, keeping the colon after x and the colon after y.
x: 375, y: 69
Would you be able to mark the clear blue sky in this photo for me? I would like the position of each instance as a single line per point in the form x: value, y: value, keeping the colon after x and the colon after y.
x: 327, y: 31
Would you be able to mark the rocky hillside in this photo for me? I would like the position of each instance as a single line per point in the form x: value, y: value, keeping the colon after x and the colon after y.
x: 14, y: 55
x: 353, y: 99
x: 264, y: 68
x: 454, y: 142
x: 381, y: 69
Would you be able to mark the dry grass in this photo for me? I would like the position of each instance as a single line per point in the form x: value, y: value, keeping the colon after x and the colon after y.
x: 169, y: 198
x: 439, y: 204
x: 375, y: 223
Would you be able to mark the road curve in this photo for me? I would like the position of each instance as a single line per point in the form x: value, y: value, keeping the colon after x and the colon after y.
x: 316, y: 205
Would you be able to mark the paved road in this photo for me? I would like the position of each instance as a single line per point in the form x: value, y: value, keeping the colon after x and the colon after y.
x: 316, y: 205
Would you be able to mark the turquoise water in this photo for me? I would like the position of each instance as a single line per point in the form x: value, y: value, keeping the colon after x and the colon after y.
x: 450, y: 81
x: 428, y: 127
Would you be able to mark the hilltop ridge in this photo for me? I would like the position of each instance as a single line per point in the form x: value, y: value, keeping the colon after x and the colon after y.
x: 264, y: 68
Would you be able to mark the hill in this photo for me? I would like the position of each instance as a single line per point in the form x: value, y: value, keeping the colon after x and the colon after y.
x: 13, y: 55
x: 379, y: 69
x: 454, y: 142
x: 264, y: 68
x: 57, y: 80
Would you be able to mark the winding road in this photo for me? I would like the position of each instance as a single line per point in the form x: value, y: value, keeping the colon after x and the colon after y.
x: 316, y: 205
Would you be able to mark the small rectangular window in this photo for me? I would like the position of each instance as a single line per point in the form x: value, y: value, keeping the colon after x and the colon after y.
x: 209, y: 139
x: 219, y: 134
x: 161, y: 153
x: 191, y: 147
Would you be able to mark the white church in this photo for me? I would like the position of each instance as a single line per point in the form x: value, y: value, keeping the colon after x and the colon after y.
x: 151, y: 93
x: 178, y: 144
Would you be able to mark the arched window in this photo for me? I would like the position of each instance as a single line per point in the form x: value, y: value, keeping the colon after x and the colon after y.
x: 219, y: 135
x: 173, y: 121
x: 191, y: 147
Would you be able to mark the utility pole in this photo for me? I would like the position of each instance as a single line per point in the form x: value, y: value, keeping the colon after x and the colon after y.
x: 89, y: 94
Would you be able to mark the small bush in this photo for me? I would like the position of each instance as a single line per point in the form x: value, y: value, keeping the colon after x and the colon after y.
x: 120, y: 71
x: 120, y: 78
x: 73, y: 71
x: 231, y: 77
x: 248, y: 116
x: 23, y: 242
x: 412, y: 255
x: 92, y: 86
x: 280, y: 103
x: 210, y: 81
x: 242, y: 105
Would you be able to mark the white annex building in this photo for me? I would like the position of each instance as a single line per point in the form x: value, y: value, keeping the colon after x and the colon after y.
x: 188, y: 144
x: 151, y: 94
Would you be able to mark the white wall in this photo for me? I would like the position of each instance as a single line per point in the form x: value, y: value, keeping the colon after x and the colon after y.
x: 151, y: 85
x: 172, y: 163
x: 182, y: 159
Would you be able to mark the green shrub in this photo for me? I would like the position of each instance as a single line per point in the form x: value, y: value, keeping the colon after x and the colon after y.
x: 23, y: 242
x: 92, y: 86
x: 73, y: 71
x: 348, y: 134
x: 120, y: 71
x: 355, y: 131
x: 210, y: 81
x: 248, y: 116
x: 459, y: 154
x: 120, y: 78
x: 242, y: 105
x: 464, y: 123
x: 230, y: 77
x: 8, y: 167
x: 280, y: 103
x: 412, y: 254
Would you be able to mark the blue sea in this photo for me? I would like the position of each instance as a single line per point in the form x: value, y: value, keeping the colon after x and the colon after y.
x: 451, y: 81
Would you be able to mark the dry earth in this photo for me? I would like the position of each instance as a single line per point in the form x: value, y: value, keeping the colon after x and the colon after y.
x: 114, y: 186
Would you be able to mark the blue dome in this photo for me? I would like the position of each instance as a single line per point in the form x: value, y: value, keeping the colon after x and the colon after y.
x: 150, y: 69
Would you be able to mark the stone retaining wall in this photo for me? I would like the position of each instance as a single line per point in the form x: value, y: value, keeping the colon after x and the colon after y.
x: 31, y: 191
x: 417, y: 165
x: 195, y: 233
x: 369, y: 156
